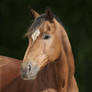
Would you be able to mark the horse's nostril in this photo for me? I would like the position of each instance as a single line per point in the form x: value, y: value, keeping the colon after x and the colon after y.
x: 29, y: 67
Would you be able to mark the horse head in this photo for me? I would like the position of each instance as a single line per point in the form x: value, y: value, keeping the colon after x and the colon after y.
x: 45, y: 44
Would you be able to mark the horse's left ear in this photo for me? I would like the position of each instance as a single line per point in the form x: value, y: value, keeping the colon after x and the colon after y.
x: 34, y: 14
x: 49, y: 14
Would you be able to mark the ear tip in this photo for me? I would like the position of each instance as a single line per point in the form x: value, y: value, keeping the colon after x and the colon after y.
x: 48, y: 10
x: 33, y: 13
x: 49, y: 13
x: 31, y: 10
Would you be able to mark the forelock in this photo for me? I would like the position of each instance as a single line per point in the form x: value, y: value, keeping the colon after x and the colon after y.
x: 36, y: 24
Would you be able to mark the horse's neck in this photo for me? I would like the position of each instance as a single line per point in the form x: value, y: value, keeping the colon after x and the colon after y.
x: 64, y: 66
x: 68, y: 52
x: 55, y: 75
x: 47, y: 76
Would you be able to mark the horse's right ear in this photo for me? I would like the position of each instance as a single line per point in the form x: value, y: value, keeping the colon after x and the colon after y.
x: 49, y: 14
x: 34, y: 14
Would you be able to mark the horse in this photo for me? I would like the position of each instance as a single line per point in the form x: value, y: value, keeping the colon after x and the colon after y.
x: 48, y: 61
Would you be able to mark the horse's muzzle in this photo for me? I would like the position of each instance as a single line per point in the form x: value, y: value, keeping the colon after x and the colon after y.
x: 29, y: 71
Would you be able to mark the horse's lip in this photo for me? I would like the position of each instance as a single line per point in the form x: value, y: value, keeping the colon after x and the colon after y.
x: 30, y: 78
x: 32, y: 75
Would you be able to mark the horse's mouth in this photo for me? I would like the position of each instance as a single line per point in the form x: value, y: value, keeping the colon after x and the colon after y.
x: 31, y: 74
x: 30, y: 78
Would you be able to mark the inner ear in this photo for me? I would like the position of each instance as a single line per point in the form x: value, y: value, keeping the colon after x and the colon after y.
x: 34, y: 13
x: 49, y: 14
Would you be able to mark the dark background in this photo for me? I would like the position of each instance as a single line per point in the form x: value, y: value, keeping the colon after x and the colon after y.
x: 76, y: 15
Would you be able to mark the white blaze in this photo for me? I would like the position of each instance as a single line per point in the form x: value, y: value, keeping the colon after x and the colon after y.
x: 35, y: 34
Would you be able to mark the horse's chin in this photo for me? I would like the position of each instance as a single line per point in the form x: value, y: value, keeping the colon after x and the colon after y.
x: 30, y: 78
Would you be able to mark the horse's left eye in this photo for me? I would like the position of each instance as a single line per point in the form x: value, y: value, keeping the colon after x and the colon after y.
x: 46, y: 37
